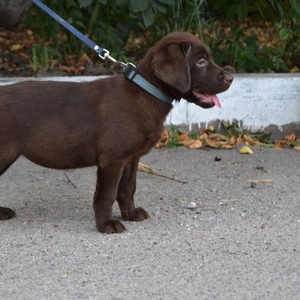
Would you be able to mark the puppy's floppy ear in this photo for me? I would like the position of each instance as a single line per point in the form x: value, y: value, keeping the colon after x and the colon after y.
x: 170, y: 64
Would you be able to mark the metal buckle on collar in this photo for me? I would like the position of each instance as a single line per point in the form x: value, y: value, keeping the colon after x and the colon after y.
x: 130, y: 71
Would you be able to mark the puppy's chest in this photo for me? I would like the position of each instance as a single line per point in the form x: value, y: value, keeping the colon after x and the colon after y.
x: 149, y: 141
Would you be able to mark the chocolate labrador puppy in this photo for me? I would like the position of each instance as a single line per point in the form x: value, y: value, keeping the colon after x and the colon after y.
x: 109, y: 123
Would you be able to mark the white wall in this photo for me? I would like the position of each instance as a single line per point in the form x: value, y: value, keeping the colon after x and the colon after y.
x: 257, y: 100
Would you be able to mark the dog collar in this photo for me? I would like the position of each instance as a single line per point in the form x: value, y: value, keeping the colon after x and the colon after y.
x: 130, y: 73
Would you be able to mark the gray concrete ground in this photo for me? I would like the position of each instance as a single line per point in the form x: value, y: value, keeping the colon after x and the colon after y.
x: 239, y: 242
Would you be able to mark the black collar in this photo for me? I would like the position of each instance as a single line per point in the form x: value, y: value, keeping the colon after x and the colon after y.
x: 130, y: 73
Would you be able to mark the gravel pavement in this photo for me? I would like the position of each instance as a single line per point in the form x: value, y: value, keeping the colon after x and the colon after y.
x: 240, y: 241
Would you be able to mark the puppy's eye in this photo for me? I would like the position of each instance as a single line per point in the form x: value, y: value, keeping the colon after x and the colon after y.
x: 201, y: 62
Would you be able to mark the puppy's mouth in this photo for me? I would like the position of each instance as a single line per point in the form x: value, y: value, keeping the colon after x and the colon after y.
x: 205, y: 100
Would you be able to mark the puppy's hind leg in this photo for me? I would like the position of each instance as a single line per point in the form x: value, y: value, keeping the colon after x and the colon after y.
x: 7, y: 158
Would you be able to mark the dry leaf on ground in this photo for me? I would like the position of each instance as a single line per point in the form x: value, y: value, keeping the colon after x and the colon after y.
x: 245, y: 150
x: 290, y: 137
x: 145, y: 169
x: 195, y: 145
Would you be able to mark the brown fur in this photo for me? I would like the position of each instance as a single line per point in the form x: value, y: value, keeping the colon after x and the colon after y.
x: 108, y: 123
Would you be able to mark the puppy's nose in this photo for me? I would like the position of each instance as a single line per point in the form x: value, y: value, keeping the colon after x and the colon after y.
x: 228, y: 77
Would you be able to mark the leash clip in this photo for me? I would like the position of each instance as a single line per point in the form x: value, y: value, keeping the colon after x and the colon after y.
x: 105, y: 54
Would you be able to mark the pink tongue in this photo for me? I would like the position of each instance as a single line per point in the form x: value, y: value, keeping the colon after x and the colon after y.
x: 215, y: 101
x: 212, y: 98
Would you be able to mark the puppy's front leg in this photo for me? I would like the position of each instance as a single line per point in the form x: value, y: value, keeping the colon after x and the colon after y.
x: 126, y: 192
x: 108, y: 179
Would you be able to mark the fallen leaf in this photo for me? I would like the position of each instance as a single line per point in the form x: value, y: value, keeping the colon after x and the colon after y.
x: 4, y: 33
x: 280, y: 144
x: 203, y: 136
x: 261, y: 137
x: 64, y: 69
x: 195, y: 145
x: 163, y: 141
x: 249, y: 140
x: 218, y: 137
x: 231, y: 139
x: 227, y: 146
x: 245, y: 150
x: 187, y: 142
x: 84, y: 58
x: 184, y: 136
x: 16, y: 47
x: 212, y: 144
x: 24, y: 55
x: 290, y: 137
x: 29, y: 32
x: 239, y: 140
x: 145, y: 169
x: 294, y: 70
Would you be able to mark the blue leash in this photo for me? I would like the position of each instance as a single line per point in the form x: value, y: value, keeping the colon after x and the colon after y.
x: 103, y: 53
x: 130, y: 72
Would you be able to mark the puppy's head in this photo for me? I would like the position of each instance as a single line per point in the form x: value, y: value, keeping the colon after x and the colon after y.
x: 185, y: 64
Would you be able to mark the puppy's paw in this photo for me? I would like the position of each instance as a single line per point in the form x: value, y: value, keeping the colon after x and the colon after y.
x: 6, y: 213
x: 138, y: 215
x: 112, y: 226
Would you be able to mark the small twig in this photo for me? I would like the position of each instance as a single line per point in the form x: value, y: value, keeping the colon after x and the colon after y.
x: 32, y: 220
x: 69, y: 181
x: 260, y: 180
x: 226, y: 200
x: 145, y: 169
x: 170, y: 178
x: 263, y: 187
